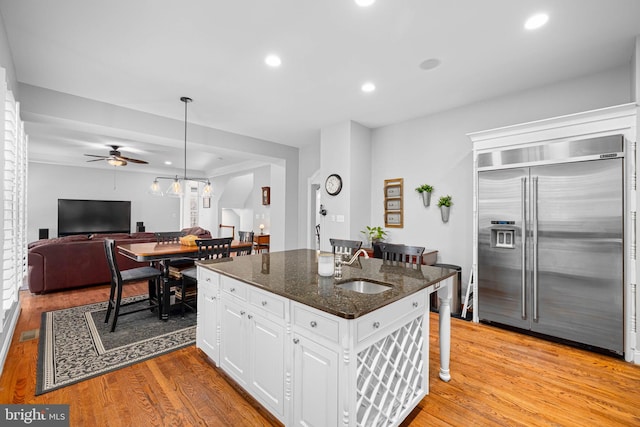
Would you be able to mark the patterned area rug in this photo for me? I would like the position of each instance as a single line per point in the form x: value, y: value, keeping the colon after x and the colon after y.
x: 75, y: 343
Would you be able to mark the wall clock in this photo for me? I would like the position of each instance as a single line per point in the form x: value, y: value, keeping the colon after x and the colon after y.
x: 333, y: 184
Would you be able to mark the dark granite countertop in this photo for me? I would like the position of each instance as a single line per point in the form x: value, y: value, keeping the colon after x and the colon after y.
x: 294, y: 275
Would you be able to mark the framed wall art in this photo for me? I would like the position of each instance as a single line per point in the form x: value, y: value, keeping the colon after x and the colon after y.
x: 393, y: 205
x: 393, y: 202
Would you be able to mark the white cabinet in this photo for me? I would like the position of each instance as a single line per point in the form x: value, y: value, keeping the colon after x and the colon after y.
x: 315, y: 366
x: 267, y: 361
x: 315, y: 383
x: 233, y: 343
x: 208, y: 326
x: 311, y: 368
x: 252, y: 347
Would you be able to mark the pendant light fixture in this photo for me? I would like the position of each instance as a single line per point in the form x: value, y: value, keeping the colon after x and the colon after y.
x: 176, y: 188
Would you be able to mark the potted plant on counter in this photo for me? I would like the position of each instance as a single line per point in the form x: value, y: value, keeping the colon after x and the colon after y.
x: 374, y: 234
x: 445, y: 204
x: 425, y: 190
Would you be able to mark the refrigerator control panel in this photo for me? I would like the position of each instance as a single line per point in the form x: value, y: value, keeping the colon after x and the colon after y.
x: 503, y: 236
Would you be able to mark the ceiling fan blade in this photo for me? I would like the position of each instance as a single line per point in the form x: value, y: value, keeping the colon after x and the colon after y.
x: 128, y: 159
x: 115, y: 155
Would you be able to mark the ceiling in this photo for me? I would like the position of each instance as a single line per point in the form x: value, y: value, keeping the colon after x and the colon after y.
x: 144, y: 54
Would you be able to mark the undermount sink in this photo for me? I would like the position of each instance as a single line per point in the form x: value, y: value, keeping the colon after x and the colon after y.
x: 363, y: 287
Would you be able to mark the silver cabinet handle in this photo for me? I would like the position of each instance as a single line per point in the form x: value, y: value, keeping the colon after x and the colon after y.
x: 313, y: 323
x: 376, y: 325
x: 250, y: 316
x: 208, y: 279
x: 296, y: 340
x: 415, y: 304
x: 242, y: 313
x: 264, y: 303
x: 232, y: 290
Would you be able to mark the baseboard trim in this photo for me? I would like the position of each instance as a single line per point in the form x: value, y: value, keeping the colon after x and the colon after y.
x: 7, y: 335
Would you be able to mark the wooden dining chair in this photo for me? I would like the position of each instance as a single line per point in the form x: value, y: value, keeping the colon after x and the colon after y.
x: 397, y: 254
x: 119, y: 278
x: 245, y: 237
x: 167, y: 237
x: 187, y: 287
x: 348, y: 247
x: 178, y: 264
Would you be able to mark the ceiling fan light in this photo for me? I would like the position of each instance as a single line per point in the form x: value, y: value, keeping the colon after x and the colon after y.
x: 116, y: 162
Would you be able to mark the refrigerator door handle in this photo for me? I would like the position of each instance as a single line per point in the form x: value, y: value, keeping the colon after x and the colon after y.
x: 534, y: 220
x: 523, y: 270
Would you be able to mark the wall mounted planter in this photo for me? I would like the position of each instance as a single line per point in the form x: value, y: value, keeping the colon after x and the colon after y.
x: 444, y: 212
x: 426, y: 198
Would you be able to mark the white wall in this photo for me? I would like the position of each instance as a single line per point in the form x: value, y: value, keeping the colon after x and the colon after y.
x: 435, y: 150
x: 6, y: 61
x: 48, y: 183
x: 360, y: 179
x: 345, y: 149
x: 309, y: 160
x: 334, y: 157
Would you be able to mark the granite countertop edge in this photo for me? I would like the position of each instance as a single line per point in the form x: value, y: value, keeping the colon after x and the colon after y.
x: 293, y: 275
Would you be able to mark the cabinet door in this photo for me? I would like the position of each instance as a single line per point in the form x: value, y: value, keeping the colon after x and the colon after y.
x: 315, y: 384
x: 207, y: 324
x: 266, y: 354
x: 233, y: 348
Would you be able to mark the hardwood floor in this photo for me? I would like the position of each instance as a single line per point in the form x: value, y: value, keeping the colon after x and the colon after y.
x: 499, y: 378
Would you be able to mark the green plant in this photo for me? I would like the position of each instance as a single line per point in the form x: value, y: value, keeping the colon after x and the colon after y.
x: 445, y: 201
x: 374, y: 233
x: 423, y: 188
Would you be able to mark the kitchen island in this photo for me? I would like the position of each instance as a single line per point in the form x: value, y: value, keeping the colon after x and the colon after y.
x: 314, y: 353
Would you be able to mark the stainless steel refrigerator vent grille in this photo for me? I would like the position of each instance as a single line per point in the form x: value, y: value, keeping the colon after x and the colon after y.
x: 604, y: 147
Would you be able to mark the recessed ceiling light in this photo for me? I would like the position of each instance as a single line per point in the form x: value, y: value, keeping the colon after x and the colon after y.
x: 536, y: 21
x: 368, y: 87
x: 273, y: 61
x: 168, y: 162
x: 365, y: 3
x: 430, y: 64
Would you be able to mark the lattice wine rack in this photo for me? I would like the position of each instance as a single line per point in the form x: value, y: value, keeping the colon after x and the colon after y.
x: 390, y: 375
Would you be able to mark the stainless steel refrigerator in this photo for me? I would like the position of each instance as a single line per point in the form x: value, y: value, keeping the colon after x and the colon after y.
x: 550, y: 240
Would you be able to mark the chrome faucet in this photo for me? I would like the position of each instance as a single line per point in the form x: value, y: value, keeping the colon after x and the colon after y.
x: 355, y: 256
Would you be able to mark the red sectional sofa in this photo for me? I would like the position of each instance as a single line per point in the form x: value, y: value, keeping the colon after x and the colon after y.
x: 76, y: 261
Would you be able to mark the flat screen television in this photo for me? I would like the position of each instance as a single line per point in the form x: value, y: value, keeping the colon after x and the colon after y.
x: 93, y: 216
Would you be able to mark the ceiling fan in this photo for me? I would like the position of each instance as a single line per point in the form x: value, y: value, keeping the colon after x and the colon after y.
x: 115, y: 158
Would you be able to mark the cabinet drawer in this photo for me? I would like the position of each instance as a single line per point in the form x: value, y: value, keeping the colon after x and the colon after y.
x: 268, y: 302
x: 207, y: 278
x: 321, y: 324
x: 376, y: 321
x: 234, y: 287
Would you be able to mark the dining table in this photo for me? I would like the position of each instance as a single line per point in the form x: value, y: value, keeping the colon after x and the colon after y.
x: 163, y: 254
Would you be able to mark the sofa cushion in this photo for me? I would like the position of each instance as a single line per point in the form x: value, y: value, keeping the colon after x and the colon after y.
x: 57, y: 240
x: 143, y: 235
